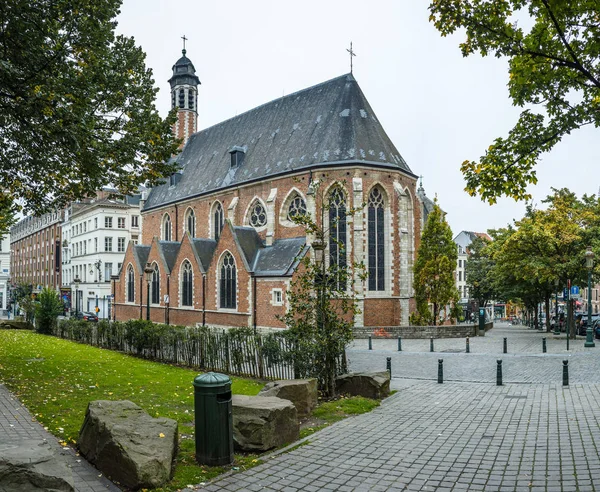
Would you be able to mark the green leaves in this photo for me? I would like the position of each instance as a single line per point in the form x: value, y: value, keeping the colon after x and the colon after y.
x: 554, y: 64
x: 77, y: 105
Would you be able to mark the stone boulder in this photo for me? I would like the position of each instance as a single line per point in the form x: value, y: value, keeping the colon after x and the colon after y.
x: 367, y: 384
x: 127, y: 444
x: 301, y: 392
x: 32, y: 464
x: 261, y: 423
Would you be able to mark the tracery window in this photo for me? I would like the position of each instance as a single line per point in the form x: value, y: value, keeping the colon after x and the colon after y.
x: 258, y: 215
x: 227, y: 288
x: 190, y: 223
x: 186, y: 284
x: 296, y: 208
x: 376, y: 247
x: 155, y: 287
x: 130, y: 284
x: 337, y: 232
x: 218, y: 220
x: 166, y: 227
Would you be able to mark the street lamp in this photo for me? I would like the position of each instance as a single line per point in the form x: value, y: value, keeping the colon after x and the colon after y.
x: 114, y: 278
x: 148, y: 271
x: 556, y: 327
x: 76, y: 281
x: 589, y: 264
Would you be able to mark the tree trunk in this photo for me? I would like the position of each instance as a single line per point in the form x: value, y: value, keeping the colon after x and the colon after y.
x: 547, y: 306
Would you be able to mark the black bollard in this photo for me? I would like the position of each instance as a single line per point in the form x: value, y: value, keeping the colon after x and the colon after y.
x: 499, y: 373
x: 440, y: 371
x: 565, y: 373
x: 544, y: 345
x: 399, y: 344
x: 431, y: 344
x: 468, y: 350
x: 388, y: 365
x: 370, y: 343
x: 505, y: 347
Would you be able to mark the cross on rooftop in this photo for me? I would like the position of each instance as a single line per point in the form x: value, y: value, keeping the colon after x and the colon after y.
x: 184, y: 40
x: 351, y: 55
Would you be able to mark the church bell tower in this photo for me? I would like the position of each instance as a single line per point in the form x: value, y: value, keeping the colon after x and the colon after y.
x: 184, y: 96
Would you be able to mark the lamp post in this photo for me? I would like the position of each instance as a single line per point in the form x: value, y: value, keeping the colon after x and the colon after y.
x: 319, y: 248
x: 148, y: 271
x: 556, y: 327
x: 114, y: 278
x: 76, y: 281
x: 589, y: 264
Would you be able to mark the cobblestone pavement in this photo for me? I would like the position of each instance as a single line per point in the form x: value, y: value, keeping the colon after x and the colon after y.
x: 16, y: 423
x: 466, y: 434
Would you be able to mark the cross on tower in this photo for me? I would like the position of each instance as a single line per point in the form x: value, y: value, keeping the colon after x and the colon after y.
x: 351, y: 55
x: 184, y: 40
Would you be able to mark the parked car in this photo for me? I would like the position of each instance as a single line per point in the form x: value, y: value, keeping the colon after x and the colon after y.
x: 596, y: 328
x: 581, y: 321
x: 85, y: 316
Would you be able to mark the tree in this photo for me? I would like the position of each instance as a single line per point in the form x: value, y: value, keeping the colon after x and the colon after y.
x: 23, y: 295
x: 554, y: 63
x: 434, y: 269
x: 322, y: 304
x: 479, y: 272
x: 48, y: 307
x: 76, y: 106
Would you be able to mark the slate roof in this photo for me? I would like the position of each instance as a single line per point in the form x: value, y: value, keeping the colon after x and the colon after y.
x: 169, y: 250
x: 204, y: 249
x: 281, y: 259
x: 140, y: 253
x: 249, y: 241
x: 329, y: 124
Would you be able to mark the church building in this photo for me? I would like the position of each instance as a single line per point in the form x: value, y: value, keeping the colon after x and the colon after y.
x: 219, y: 246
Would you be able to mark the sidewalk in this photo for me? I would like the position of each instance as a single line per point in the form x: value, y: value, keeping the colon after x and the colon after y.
x: 16, y: 423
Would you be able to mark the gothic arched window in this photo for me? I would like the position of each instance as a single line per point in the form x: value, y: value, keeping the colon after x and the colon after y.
x: 227, y: 287
x: 296, y: 208
x: 181, y: 98
x: 166, y: 228
x: 130, y: 284
x: 258, y: 214
x: 376, y: 248
x: 218, y: 220
x: 155, y: 286
x: 190, y: 222
x: 337, y: 231
x: 186, y: 284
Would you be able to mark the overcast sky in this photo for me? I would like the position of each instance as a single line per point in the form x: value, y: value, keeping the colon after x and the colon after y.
x: 437, y: 107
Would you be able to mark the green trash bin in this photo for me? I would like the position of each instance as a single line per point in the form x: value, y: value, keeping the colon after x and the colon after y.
x: 214, y: 423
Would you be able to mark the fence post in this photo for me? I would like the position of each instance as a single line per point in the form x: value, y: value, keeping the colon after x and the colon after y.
x: 440, y: 371
x: 431, y: 344
x: 388, y: 364
x: 505, y: 346
x: 565, y: 373
x: 399, y: 344
x: 499, y: 373
x: 370, y: 343
x: 468, y: 349
x: 544, y: 345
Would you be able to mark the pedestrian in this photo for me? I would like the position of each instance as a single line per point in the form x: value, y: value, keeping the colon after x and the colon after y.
x: 8, y: 313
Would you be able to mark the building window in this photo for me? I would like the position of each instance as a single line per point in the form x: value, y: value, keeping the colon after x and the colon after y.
x: 95, y: 245
x: 121, y: 244
x: 296, y: 208
x: 277, y: 297
x: 135, y: 221
x: 121, y: 222
x: 465, y: 295
x: 108, y: 222
x: 190, y: 98
x: 107, y: 271
x: 218, y: 220
x: 227, y: 288
x: 84, y: 229
x: 166, y: 228
x: 258, y: 215
x: 181, y: 98
x: 155, y: 285
x: 96, y: 223
x: 186, y: 284
x: 190, y: 223
x: 460, y: 276
x: 130, y: 284
x: 376, y: 240
x: 108, y: 244
x: 337, y: 233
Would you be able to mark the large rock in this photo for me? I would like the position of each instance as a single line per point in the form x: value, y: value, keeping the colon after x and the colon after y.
x: 301, y: 392
x: 127, y: 444
x: 263, y: 422
x: 367, y: 384
x: 31, y: 464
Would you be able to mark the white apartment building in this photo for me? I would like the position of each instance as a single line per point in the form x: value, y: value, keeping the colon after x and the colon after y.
x: 4, y: 271
x: 95, y: 236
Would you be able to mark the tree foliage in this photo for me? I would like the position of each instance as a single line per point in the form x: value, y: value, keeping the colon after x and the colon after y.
x: 479, y: 272
x: 434, y: 270
x: 554, y: 63
x: 48, y: 307
x: 76, y: 106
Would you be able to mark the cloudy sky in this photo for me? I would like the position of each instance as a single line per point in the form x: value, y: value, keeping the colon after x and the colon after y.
x: 437, y: 107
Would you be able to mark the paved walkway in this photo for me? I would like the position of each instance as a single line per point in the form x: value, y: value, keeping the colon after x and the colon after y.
x: 16, y: 423
x: 465, y: 434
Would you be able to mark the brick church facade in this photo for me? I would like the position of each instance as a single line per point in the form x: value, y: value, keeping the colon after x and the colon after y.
x: 219, y: 246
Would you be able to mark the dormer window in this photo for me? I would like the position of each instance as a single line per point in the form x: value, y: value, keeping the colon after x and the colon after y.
x: 174, y: 179
x: 237, y: 156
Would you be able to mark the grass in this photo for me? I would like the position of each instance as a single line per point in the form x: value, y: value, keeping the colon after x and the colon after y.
x: 56, y: 379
